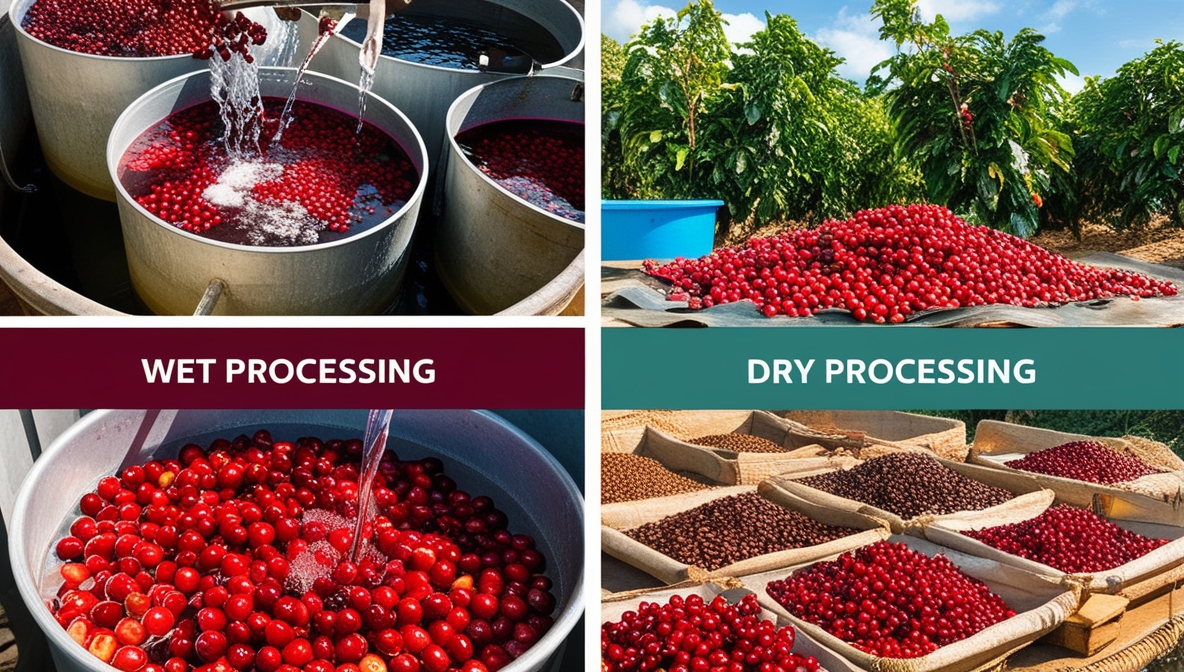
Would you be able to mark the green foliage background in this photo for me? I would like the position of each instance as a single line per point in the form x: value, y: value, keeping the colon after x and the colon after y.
x: 977, y: 122
x: 1167, y: 427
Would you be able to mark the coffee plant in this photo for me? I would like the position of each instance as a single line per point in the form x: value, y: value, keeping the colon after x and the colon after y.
x: 1129, y: 135
x: 769, y: 127
x: 974, y: 113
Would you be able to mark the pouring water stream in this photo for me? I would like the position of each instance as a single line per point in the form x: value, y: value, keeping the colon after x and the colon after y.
x: 373, y: 446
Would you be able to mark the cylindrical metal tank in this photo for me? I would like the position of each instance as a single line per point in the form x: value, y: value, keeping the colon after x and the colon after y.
x: 77, y: 97
x: 494, y: 249
x: 171, y: 268
x: 424, y: 92
x: 550, y: 510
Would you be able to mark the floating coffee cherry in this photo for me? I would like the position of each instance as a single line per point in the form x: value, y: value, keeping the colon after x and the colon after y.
x: 539, y: 161
x: 324, y: 179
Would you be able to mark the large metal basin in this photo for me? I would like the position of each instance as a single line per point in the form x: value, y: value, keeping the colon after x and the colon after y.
x: 424, y: 92
x: 482, y: 452
x: 171, y: 268
x: 76, y: 98
x: 493, y: 249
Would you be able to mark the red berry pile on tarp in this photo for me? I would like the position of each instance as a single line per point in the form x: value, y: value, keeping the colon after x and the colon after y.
x: 237, y: 558
x: 888, y: 264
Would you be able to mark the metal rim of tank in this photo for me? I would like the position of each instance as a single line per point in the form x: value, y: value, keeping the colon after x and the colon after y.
x: 416, y: 197
x: 41, y: 292
x: 566, y: 57
x: 462, y: 99
x: 533, y: 658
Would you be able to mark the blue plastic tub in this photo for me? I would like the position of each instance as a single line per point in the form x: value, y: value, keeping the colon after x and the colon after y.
x: 657, y: 229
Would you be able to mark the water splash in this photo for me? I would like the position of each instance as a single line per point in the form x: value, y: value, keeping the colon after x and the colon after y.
x: 373, y: 446
x: 322, y: 39
x: 368, y: 56
x: 234, y: 86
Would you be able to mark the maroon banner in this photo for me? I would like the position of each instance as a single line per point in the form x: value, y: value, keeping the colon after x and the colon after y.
x: 291, y: 368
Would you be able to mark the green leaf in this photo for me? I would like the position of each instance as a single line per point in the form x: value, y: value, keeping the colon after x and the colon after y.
x: 1160, y: 146
x: 1174, y: 154
x: 655, y: 136
x: 752, y: 112
x: 680, y: 158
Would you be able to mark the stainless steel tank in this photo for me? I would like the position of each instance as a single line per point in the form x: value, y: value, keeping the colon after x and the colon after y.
x: 493, y: 249
x: 424, y: 92
x: 481, y: 451
x: 77, y: 97
x: 172, y: 269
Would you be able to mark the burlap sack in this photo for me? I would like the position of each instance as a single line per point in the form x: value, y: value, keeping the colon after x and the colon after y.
x: 612, y: 607
x: 1040, y: 603
x: 726, y: 466
x: 627, y: 515
x: 894, y: 429
x: 1027, y: 493
x: 1150, y: 571
x: 1158, y: 498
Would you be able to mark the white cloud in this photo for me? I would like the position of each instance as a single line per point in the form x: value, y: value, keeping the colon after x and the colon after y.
x: 741, y: 27
x: 1060, y: 9
x: 855, y: 38
x: 623, y: 18
x: 1071, y: 82
x: 955, y: 11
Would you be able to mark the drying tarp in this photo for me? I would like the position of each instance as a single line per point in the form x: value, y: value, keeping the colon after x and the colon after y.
x: 641, y: 301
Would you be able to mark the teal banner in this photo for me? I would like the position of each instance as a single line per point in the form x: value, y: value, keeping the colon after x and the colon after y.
x: 893, y: 368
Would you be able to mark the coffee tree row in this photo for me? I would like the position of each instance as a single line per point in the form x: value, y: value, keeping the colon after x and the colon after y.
x: 975, y: 122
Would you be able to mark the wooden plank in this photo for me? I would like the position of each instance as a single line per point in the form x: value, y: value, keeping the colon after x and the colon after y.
x: 1095, y: 626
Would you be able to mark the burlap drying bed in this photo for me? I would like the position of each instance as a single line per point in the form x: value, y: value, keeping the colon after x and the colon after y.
x: 639, y: 300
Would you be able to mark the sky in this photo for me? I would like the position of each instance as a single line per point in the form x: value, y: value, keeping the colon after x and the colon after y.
x: 1097, y: 36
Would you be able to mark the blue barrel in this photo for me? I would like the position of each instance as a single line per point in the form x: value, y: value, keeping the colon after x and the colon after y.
x: 657, y: 229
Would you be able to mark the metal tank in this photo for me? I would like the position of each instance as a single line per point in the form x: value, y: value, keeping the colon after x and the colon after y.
x: 424, y: 92
x: 172, y: 270
x: 550, y: 510
x: 493, y: 249
x: 77, y: 97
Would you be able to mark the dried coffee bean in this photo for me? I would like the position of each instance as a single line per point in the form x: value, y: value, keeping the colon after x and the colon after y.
x: 740, y: 443
x: 625, y: 477
x: 909, y: 485
x: 731, y: 529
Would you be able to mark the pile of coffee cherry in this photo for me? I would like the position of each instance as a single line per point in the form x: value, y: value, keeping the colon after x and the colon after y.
x: 238, y: 557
